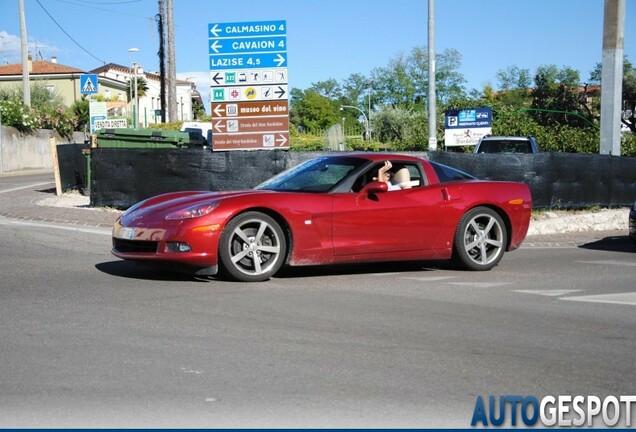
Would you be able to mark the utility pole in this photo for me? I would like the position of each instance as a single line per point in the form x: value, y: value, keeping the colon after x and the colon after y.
x: 162, y: 59
x: 612, y: 76
x: 432, y: 102
x: 26, y: 88
x: 172, y: 66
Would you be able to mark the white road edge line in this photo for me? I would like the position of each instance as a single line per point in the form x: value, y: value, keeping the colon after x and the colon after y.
x: 101, y: 231
x: 25, y: 187
x: 628, y: 299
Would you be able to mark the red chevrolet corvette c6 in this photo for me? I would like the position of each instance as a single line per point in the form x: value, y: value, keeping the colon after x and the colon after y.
x: 328, y: 210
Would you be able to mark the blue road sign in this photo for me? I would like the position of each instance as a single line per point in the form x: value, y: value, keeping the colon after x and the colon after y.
x: 461, y: 119
x: 248, y: 45
x: 248, y: 61
x: 88, y: 84
x: 257, y: 28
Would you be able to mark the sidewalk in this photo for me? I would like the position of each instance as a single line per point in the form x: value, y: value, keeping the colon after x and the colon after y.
x: 26, y: 204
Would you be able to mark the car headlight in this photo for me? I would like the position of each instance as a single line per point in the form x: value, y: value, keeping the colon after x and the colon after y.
x: 192, y: 212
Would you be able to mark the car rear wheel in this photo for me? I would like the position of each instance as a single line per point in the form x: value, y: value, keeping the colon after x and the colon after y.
x: 252, y: 247
x: 480, y: 239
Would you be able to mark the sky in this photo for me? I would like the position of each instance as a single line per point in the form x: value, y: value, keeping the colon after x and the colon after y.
x: 325, y: 38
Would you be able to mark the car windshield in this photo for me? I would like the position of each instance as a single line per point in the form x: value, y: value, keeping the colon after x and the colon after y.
x: 505, y: 146
x: 447, y: 174
x: 315, y: 175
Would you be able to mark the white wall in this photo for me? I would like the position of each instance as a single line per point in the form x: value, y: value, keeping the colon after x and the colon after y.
x: 152, y: 101
x: 19, y: 152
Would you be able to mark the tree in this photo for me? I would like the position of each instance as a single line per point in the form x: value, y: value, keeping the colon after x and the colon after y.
x: 311, y: 111
x: 356, y: 89
x: 514, y: 78
x: 142, y: 87
x: 81, y: 111
x: 514, y: 87
x: 329, y: 89
x: 404, y: 81
x: 555, y: 98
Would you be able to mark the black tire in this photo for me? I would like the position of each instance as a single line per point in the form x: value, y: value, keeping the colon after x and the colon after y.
x: 252, y: 247
x: 480, y: 240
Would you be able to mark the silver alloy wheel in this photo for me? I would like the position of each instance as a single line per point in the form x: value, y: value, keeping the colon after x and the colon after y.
x: 253, y: 247
x: 483, y: 239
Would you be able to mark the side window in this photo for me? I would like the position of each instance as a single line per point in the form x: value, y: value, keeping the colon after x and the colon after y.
x: 403, y: 175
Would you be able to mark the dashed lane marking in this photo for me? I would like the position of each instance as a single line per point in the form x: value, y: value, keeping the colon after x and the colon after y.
x: 610, y: 262
x: 620, y: 298
x: 548, y: 293
x: 479, y: 284
x: 429, y: 278
x: 101, y: 231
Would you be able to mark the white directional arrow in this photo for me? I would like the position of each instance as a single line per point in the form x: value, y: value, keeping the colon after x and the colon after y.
x: 218, y: 110
x: 215, y: 30
x: 219, y: 126
x: 282, y: 140
x: 547, y: 293
x: 279, y: 59
x: 215, y: 46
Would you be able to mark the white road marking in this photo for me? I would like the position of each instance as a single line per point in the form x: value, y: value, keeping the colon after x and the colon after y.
x: 549, y: 293
x: 430, y: 278
x: 610, y: 262
x: 620, y: 298
x: 550, y: 246
x: 479, y: 284
x: 101, y: 231
x: 24, y: 187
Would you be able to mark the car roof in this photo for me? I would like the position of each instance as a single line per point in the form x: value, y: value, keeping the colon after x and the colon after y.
x: 376, y: 157
x: 505, y: 137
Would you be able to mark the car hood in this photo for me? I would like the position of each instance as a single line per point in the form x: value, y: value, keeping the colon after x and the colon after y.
x: 158, y: 207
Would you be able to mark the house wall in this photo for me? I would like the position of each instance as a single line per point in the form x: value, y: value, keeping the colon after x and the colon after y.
x: 67, y: 86
x: 152, y: 100
x: 19, y: 152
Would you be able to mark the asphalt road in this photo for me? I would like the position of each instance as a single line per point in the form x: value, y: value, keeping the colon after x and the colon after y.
x: 91, y: 341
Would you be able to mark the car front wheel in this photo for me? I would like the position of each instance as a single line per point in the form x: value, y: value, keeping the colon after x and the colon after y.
x: 252, y: 247
x: 480, y: 239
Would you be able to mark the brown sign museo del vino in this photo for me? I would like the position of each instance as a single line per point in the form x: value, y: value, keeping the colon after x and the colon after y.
x: 249, y: 109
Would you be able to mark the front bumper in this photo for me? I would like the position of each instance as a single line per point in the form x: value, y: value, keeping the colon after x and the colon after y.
x: 156, y: 245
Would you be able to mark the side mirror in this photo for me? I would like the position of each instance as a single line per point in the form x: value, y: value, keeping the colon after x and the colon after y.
x: 373, y: 188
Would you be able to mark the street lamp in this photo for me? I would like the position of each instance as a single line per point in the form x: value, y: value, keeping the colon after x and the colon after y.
x: 366, y: 119
x: 130, y: 88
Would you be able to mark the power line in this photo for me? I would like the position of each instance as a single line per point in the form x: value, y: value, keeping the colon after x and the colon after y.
x: 110, y: 3
x: 69, y: 36
x: 86, y: 5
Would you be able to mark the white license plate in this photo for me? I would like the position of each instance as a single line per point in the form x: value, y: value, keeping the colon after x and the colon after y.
x: 126, y: 233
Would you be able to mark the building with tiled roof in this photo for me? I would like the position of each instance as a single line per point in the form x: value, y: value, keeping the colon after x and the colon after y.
x: 58, y: 78
x: 150, y: 104
x: 113, y: 82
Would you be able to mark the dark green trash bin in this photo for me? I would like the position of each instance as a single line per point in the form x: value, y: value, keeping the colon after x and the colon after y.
x: 147, y: 138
